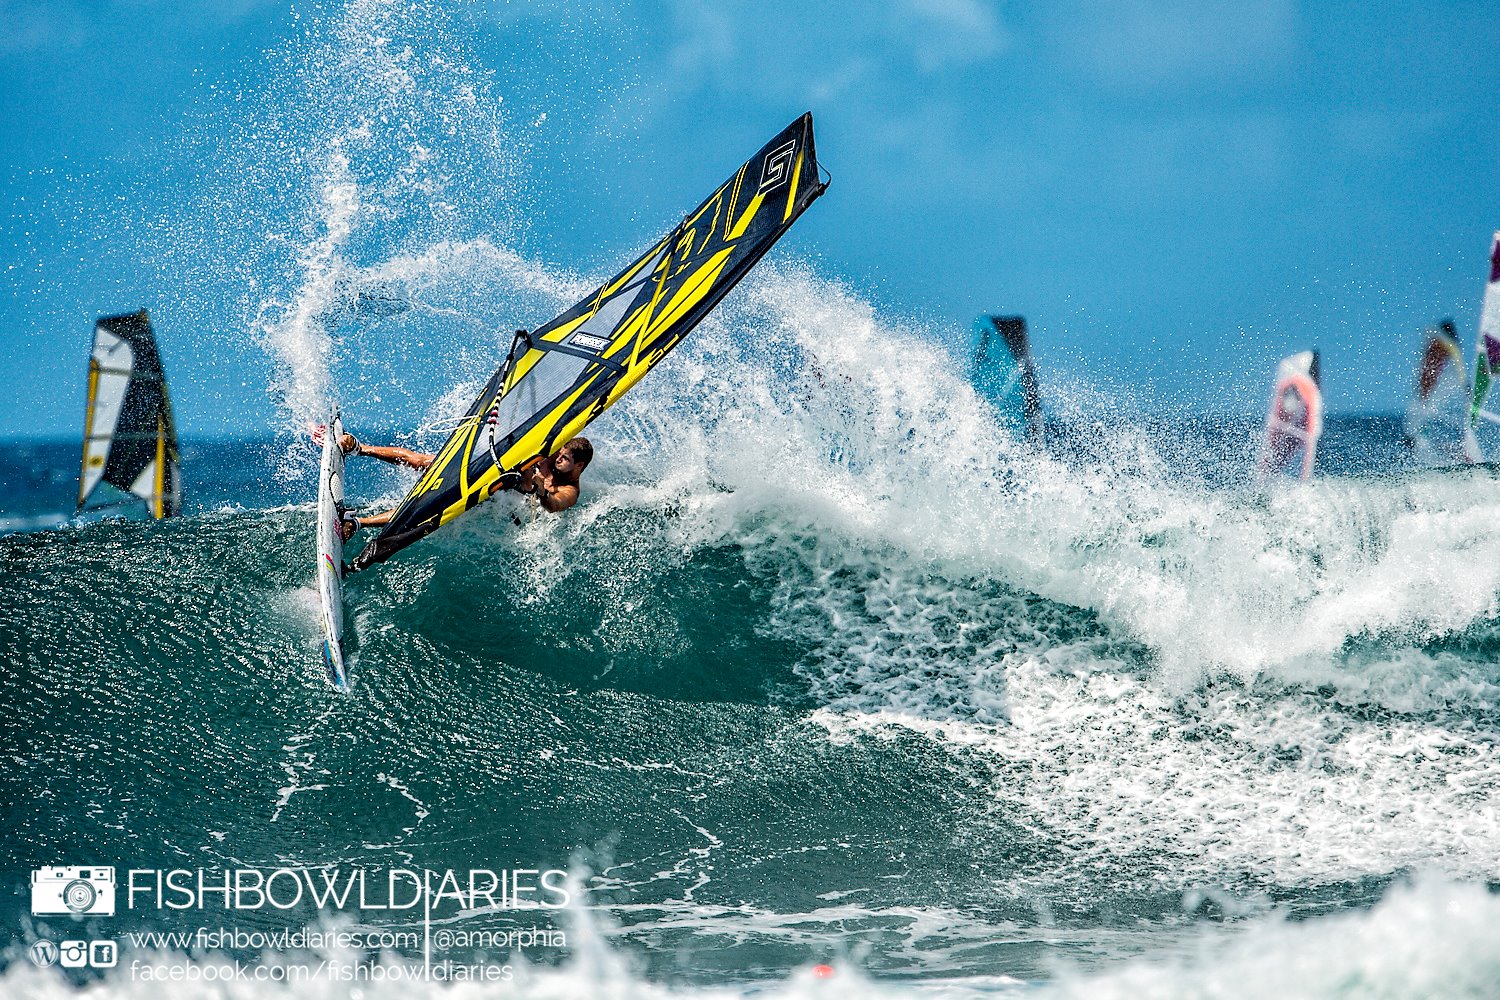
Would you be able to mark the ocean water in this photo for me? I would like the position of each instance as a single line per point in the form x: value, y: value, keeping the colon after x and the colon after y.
x: 837, y: 675
x: 829, y: 686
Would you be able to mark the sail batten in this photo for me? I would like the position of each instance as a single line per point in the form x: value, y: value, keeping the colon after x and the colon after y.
x: 129, y: 437
x: 558, y: 378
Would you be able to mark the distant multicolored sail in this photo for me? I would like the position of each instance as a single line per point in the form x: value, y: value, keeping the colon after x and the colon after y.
x: 1437, y: 427
x: 1487, y: 350
x: 1295, y: 420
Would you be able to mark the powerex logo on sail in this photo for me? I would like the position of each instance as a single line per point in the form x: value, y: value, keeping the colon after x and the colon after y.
x: 340, y: 889
x: 590, y: 342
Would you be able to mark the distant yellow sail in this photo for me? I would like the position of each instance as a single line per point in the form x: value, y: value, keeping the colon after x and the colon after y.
x: 129, y: 438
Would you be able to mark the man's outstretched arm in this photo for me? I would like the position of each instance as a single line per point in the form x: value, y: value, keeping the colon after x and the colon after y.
x: 396, y: 456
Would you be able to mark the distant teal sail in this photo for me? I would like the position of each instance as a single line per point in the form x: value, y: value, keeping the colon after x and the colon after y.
x: 1004, y: 373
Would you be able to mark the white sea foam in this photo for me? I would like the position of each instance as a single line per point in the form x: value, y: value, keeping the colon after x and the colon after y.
x: 810, y: 407
x: 938, y: 567
x: 401, y: 171
x: 911, y: 537
x: 1430, y: 939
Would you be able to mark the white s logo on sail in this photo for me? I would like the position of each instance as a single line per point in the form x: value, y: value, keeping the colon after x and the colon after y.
x: 778, y: 167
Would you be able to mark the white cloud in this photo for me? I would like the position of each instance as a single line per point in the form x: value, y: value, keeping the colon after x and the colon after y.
x: 705, y: 42
x: 777, y: 46
x: 39, y: 25
x: 951, y: 32
x: 32, y: 27
x: 1141, y: 44
x: 1384, y: 133
x: 839, y: 81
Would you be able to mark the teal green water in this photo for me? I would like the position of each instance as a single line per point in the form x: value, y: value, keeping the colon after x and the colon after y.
x: 825, y: 667
x: 758, y: 742
x: 640, y: 718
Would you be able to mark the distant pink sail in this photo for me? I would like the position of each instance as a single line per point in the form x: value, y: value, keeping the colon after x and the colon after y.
x: 1294, y: 421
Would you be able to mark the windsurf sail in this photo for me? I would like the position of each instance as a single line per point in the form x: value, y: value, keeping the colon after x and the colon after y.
x: 1436, y: 427
x: 1487, y: 350
x: 1295, y: 420
x: 1004, y: 372
x: 129, y: 439
x: 559, y: 377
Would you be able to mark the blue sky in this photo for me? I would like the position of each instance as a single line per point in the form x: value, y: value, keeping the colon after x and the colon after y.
x: 1174, y: 194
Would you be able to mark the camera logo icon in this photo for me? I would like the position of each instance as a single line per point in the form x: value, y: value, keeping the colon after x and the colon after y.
x: 72, y: 889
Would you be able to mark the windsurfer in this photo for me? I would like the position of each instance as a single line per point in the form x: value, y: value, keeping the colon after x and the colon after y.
x: 553, y: 480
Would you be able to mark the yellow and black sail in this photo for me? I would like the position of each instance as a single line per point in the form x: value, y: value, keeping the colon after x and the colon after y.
x: 129, y: 438
x: 561, y: 376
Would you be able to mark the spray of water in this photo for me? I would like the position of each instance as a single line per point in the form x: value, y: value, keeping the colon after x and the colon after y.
x: 1128, y: 635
